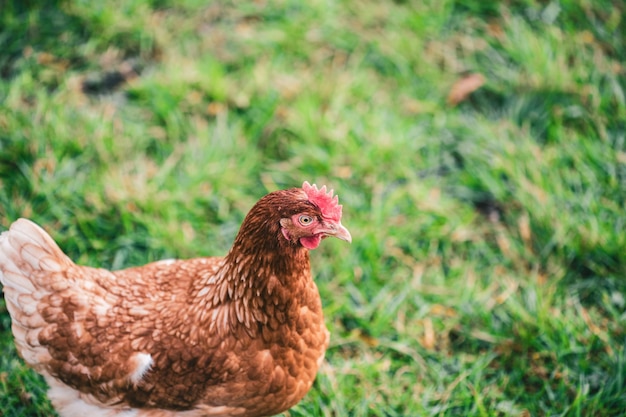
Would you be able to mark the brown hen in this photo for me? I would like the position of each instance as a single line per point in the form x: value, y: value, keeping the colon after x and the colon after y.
x: 242, y: 335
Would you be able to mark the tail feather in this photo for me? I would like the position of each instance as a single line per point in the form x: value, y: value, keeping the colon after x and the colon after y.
x: 14, y: 278
x: 30, y: 262
x: 27, y: 248
x: 27, y: 256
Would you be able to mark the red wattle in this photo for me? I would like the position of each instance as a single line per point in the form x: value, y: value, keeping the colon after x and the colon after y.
x: 311, y: 242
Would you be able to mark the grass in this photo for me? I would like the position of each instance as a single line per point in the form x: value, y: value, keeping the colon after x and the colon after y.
x: 488, y: 269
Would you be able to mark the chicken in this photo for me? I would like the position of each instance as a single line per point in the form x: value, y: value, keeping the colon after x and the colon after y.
x: 240, y: 335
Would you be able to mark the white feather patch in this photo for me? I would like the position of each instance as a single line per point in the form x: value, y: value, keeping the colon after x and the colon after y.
x: 143, y: 363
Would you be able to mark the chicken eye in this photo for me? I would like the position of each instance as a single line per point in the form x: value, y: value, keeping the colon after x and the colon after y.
x: 305, y: 220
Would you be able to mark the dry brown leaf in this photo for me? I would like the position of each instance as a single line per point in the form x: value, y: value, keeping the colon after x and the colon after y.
x: 214, y: 108
x: 465, y: 86
x: 428, y: 340
x: 441, y: 310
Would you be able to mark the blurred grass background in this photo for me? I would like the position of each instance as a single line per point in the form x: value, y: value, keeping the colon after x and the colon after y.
x: 478, y: 148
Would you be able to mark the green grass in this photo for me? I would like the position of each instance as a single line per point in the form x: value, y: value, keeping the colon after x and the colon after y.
x: 488, y: 269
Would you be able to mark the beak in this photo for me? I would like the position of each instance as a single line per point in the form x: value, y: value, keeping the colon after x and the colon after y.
x: 337, y: 230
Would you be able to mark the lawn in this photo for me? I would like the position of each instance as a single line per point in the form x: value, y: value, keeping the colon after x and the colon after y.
x: 478, y: 148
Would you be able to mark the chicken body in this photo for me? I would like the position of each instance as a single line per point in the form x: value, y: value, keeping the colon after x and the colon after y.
x: 241, y: 335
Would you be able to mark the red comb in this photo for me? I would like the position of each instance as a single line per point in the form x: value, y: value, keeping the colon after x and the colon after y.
x: 329, y: 205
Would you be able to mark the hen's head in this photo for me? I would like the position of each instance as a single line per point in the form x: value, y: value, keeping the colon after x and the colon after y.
x: 320, y: 218
x: 298, y: 217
